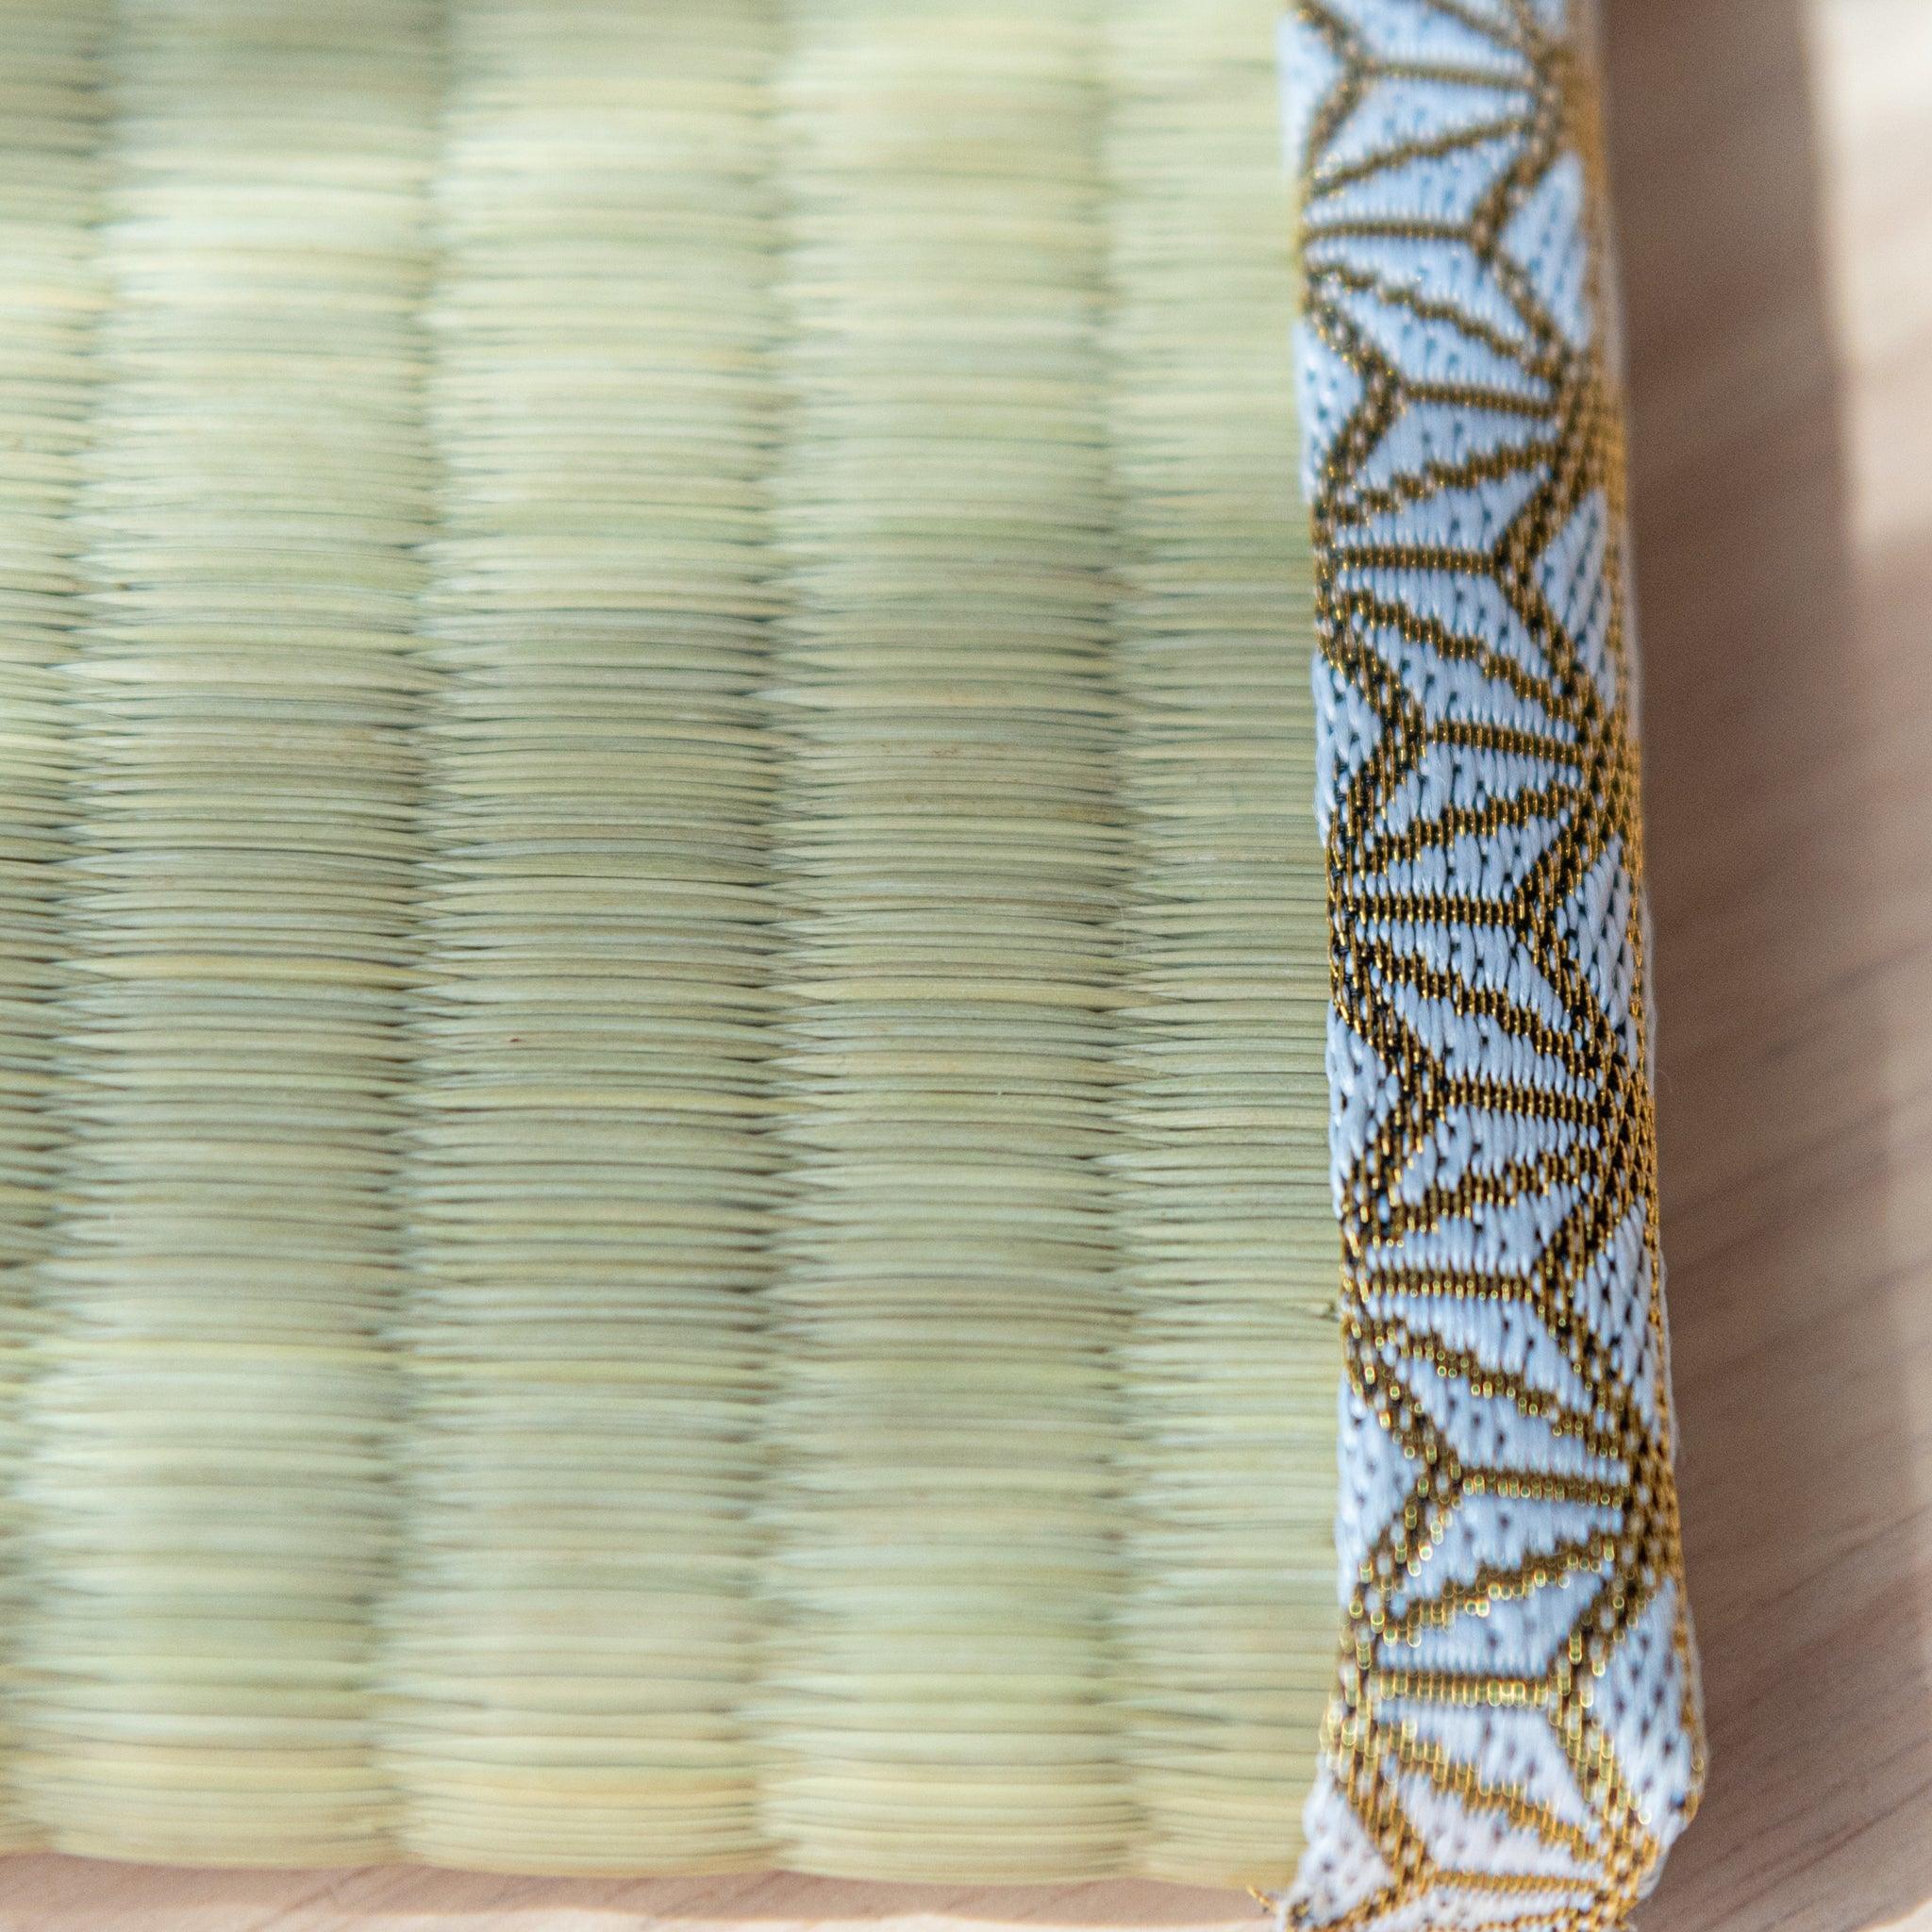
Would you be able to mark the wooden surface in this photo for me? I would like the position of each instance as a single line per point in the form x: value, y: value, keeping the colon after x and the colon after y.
x: 1773, y: 165
x: 1774, y: 177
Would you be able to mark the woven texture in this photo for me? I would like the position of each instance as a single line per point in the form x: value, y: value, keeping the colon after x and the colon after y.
x: 1516, y: 1740
x: 662, y: 1140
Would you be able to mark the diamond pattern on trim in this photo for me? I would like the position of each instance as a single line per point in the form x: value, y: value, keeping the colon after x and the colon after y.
x: 1515, y: 1738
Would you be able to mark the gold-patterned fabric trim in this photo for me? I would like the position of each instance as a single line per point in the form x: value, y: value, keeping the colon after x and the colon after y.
x: 1515, y: 1739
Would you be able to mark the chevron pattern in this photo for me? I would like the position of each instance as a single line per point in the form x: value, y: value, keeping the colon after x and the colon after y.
x: 1515, y: 1739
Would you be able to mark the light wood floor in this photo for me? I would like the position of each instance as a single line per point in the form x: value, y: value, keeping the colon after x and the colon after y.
x: 1774, y: 162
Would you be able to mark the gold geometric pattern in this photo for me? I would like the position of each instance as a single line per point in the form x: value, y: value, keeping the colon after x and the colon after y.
x: 1515, y: 1738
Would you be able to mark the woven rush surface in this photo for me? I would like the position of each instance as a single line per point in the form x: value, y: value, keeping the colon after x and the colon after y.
x: 663, y: 1188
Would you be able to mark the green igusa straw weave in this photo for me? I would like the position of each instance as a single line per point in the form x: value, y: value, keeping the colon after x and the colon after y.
x: 663, y: 1190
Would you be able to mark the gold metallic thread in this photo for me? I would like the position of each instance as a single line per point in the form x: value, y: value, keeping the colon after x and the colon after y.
x: 1613, y: 1160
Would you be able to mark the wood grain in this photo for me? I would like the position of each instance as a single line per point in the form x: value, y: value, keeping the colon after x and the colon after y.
x: 1773, y: 161
x: 1772, y: 165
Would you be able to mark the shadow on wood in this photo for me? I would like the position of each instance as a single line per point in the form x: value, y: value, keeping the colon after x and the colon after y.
x: 1788, y: 889
x: 1790, y: 847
